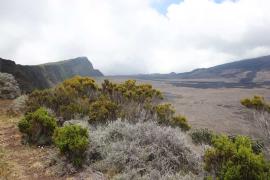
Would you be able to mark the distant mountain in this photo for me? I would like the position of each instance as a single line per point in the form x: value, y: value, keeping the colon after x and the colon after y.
x: 256, y: 69
x: 46, y: 75
x: 244, y: 71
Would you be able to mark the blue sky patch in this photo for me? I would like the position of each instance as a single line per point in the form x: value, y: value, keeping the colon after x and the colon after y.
x: 162, y: 5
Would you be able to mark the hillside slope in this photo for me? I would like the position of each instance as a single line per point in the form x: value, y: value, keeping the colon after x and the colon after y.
x: 46, y: 75
x: 256, y: 69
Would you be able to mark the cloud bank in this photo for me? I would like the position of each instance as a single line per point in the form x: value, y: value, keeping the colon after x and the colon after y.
x: 129, y: 37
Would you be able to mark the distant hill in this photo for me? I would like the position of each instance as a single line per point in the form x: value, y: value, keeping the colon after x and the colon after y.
x: 47, y: 75
x: 245, y: 71
x: 256, y: 69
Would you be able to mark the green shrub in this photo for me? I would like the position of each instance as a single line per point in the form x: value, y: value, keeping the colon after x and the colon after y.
x: 39, y: 98
x: 38, y: 127
x: 72, y: 141
x: 129, y: 91
x: 202, y: 136
x: 256, y: 145
x: 102, y: 110
x: 234, y: 159
x: 257, y: 103
x: 180, y: 121
x: 69, y: 111
x: 164, y: 113
x: 79, y: 87
x: 71, y: 97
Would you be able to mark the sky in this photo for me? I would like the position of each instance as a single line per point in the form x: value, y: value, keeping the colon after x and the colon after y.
x: 135, y: 36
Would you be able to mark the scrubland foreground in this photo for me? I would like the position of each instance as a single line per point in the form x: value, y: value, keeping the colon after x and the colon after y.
x: 119, y: 131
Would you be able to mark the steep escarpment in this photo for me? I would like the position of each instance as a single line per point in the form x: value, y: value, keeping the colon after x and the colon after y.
x: 46, y: 75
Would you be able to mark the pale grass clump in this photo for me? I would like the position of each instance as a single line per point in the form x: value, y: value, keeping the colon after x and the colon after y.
x: 141, y: 150
x: 155, y: 175
x: 9, y: 88
x: 18, y: 106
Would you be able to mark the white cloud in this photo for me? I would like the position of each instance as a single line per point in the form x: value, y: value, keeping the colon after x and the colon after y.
x: 125, y: 37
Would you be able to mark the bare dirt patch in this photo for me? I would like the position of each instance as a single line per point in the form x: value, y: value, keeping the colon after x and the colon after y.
x: 20, y: 161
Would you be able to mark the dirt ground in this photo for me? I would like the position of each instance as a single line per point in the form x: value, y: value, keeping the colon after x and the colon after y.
x: 19, y: 161
x: 24, y: 162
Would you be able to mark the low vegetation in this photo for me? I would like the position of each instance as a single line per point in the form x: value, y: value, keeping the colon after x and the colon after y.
x: 81, y: 96
x: 257, y: 103
x: 72, y: 141
x: 128, y: 133
x: 141, y: 150
x: 102, y: 110
x: 235, y: 159
x: 17, y: 107
x: 38, y: 127
x: 9, y: 88
x: 202, y: 136
x: 261, y: 114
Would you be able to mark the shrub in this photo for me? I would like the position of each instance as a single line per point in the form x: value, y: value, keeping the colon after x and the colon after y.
x: 141, y: 148
x: 235, y: 159
x: 40, y: 98
x: 69, y: 111
x: 9, y: 88
x: 202, y: 136
x: 257, y: 102
x: 17, y: 106
x: 79, y: 87
x: 261, y: 113
x: 72, y: 141
x: 180, y: 121
x: 102, y: 110
x: 38, y: 127
x: 139, y: 93
x: 71, y: 97
x: 164, y: 113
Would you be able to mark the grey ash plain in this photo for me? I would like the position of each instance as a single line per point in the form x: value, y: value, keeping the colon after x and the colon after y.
x: 215, y: 107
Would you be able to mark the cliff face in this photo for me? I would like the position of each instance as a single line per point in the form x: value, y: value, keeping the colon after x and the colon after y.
x: 46, y: 75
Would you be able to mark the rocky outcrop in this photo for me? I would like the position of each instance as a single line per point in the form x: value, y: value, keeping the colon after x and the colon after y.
x: 46, y: 75
x: 9, y: 88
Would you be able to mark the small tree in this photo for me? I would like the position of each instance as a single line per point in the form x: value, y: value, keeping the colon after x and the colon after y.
x: 38, y: 127
x: 72, y: 141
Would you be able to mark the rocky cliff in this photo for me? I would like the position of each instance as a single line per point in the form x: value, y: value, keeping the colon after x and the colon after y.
x: 46, y: 75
